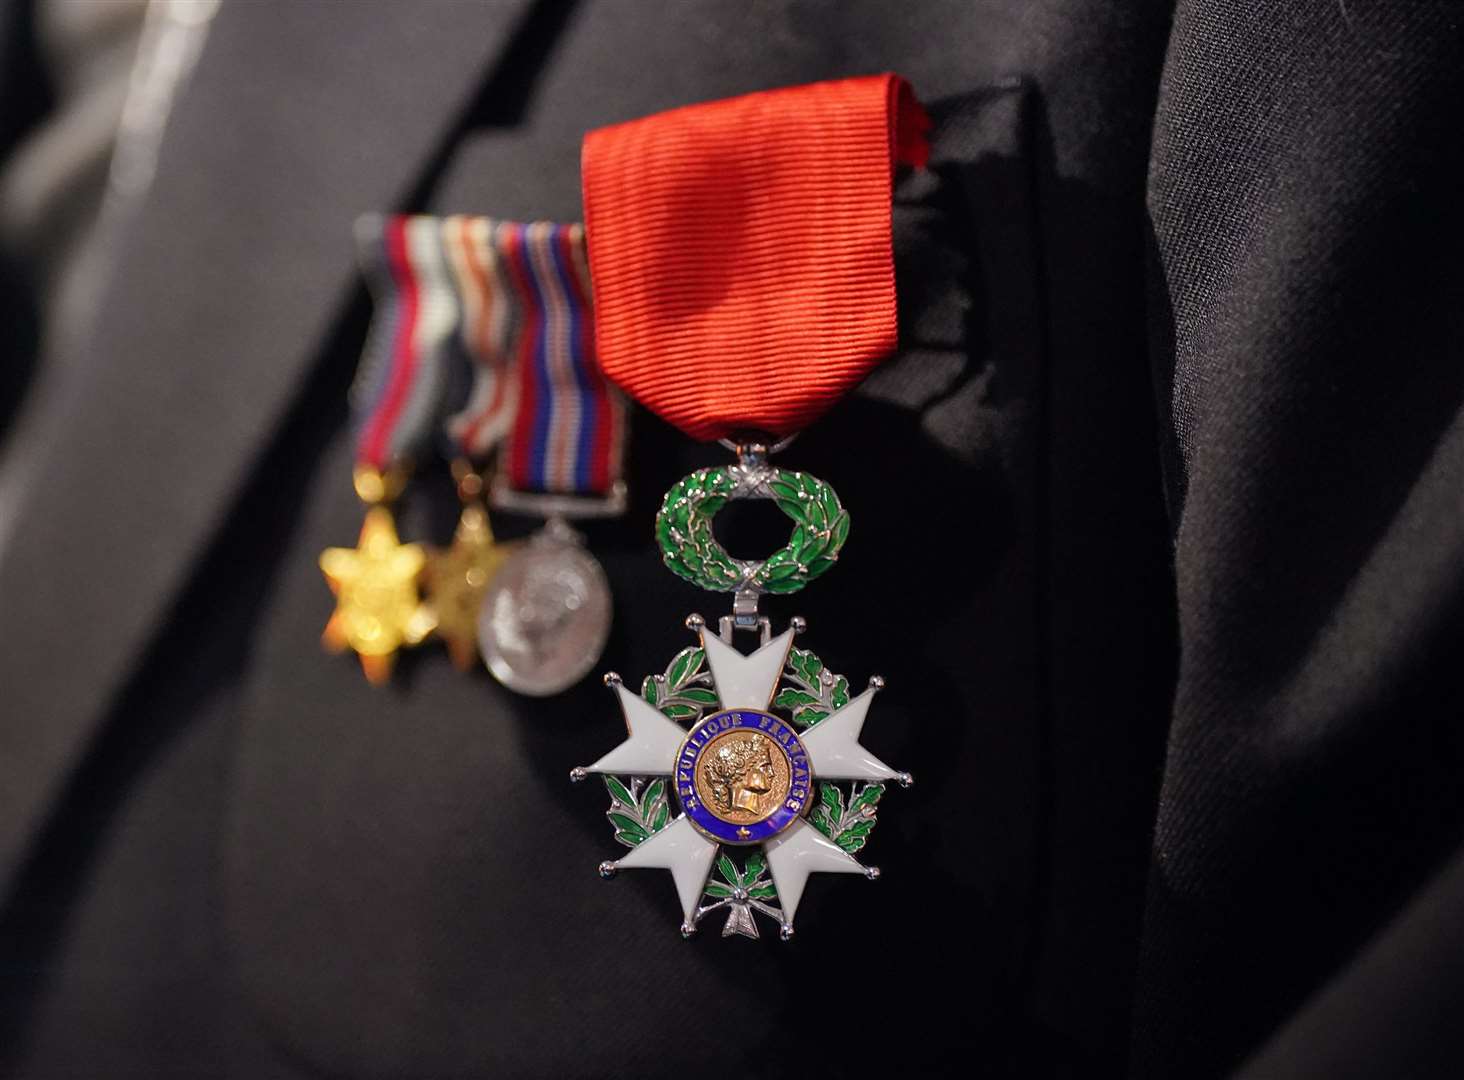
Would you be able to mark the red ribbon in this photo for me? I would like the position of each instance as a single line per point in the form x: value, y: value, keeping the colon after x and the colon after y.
x: 741, y: 250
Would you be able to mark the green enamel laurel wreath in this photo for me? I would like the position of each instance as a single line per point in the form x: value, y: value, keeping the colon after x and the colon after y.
x: 684, y: 531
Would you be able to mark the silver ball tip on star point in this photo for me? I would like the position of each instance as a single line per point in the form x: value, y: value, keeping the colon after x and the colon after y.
x: 612, y: 679
x: 687, y: 930
x: 695, y: 623
x: 871, y: 873
x: 876, y: 682
x: 798, y: 624
x: 578, y: 773
x: 904, y: 779
x: 608, y: 870
x: 785, y: 932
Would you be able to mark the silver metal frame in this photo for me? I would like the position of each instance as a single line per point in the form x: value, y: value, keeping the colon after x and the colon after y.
x: 549, y: 505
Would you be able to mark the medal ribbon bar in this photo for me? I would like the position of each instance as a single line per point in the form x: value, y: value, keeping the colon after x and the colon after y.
x: 482, y: 339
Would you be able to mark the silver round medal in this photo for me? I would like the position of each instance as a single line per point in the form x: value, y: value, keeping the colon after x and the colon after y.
x: 546, y: 615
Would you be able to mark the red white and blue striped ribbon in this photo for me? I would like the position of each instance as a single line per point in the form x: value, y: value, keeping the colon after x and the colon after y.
x: 511, y: 303
x: 569, y: 422
x: 490, y: 321
x: 403, y: 384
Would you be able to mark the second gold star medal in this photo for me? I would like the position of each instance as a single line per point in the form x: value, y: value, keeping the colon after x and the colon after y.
x: 744, y: 278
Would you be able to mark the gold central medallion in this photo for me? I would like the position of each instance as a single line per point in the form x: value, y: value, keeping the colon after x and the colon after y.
x: 742, y: 776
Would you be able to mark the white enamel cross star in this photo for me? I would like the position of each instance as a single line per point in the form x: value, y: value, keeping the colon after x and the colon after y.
x: 742, y: 681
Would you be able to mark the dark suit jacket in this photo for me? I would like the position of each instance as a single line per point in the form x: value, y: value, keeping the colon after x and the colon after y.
x: 1157, y: 538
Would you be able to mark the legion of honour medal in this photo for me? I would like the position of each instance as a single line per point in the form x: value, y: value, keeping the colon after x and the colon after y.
x: 481, y: 346
x: 744, y: 281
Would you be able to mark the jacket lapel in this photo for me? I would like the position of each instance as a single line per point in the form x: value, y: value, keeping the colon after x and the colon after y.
x: 231, y: 271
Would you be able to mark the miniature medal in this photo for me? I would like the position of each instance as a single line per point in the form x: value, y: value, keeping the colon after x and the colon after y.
x: 546, y: 616
x: 744, y: 281
x: 375, y: 583
x: 458, y: 577
x: 544, y: 620
x: 396, y: 400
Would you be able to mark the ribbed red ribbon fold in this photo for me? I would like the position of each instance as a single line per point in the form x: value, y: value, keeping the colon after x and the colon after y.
x: 741, y: 250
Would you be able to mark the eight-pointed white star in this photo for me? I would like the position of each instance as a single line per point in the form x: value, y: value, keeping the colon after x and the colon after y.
x: 742, y: 682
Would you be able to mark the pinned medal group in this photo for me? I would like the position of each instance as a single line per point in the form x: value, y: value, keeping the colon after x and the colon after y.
x: 742, y: 773
x: 481, y: 353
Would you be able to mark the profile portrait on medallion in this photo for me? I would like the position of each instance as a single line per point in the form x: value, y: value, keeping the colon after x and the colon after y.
x: 740, y: 780
x: 742, y: 776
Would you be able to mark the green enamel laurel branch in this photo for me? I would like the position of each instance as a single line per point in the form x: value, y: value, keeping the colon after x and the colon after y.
x: 684, y: 530
x: 638, y: 808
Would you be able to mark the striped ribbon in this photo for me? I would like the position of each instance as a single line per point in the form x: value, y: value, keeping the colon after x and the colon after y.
x: 403, y: 384
x: 490, y: 321
x: 509, y: 303
x: 569, y: 422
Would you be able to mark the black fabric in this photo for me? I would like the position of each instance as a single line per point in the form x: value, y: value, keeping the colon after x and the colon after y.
x: 1303, y: 194
x: 1392, y: 1011
x: 1155, y: 522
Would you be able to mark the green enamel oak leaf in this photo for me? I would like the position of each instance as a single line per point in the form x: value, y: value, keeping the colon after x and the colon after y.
x: 810, y: 691
x: 846, y: 823
x: 685, y: 690
x: 741, y: 891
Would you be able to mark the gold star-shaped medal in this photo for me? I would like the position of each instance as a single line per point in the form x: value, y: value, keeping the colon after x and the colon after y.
x: 377, y: 606
x: 457, y: 579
